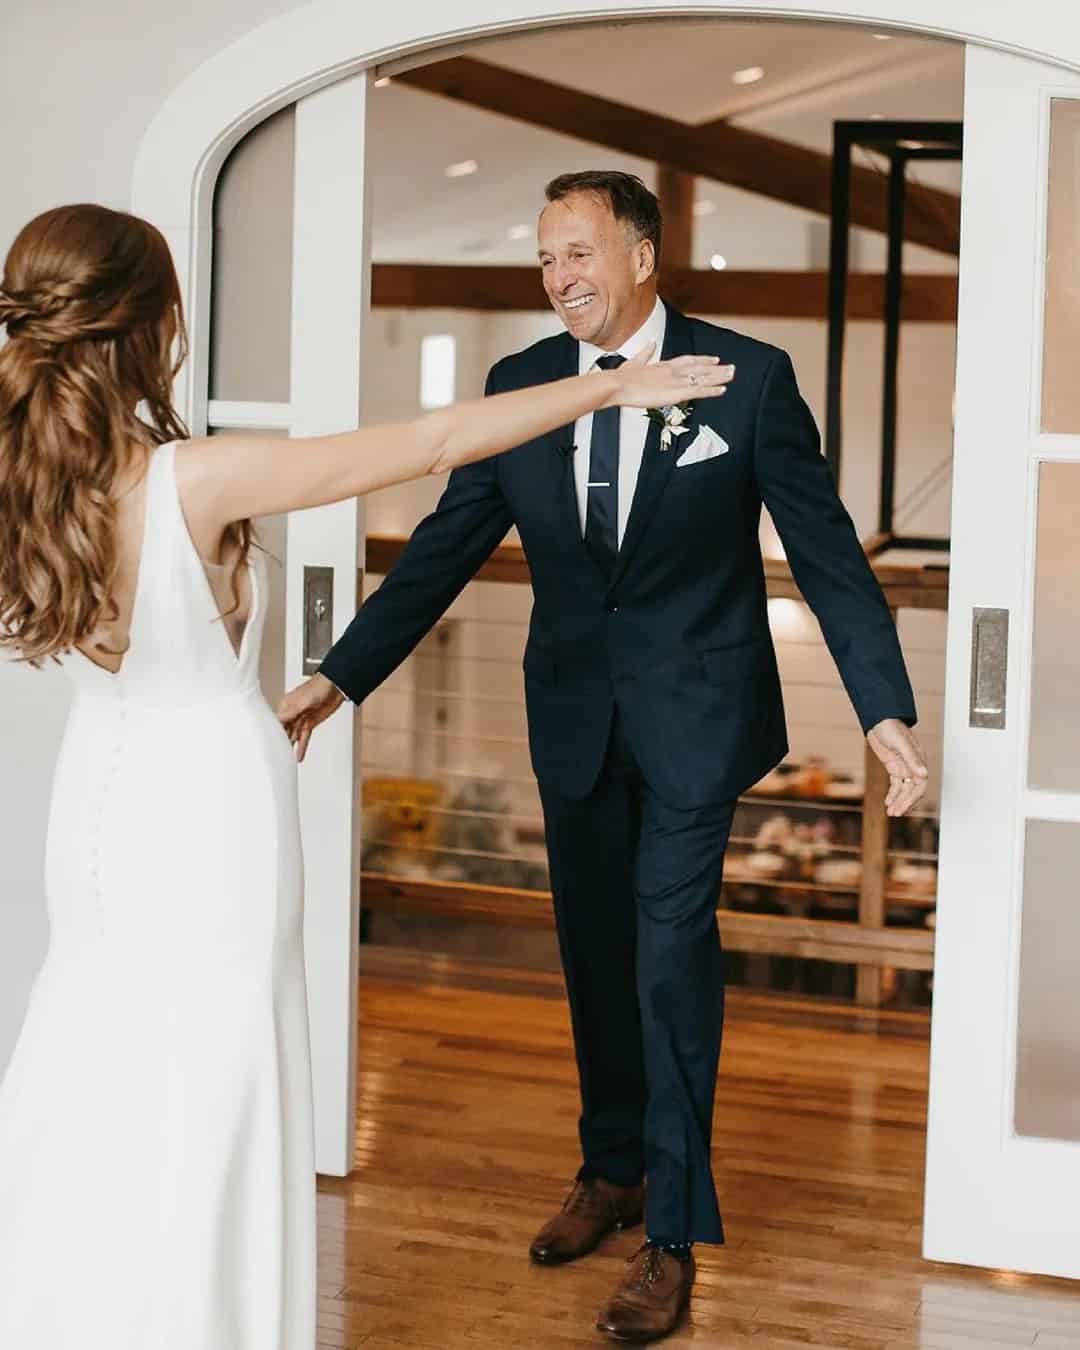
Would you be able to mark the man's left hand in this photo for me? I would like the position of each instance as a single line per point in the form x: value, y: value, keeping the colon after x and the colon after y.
x: 303, y: 708
x: 895, y: 745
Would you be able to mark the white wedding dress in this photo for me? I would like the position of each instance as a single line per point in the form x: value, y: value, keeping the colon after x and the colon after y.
x: 157, y: 1186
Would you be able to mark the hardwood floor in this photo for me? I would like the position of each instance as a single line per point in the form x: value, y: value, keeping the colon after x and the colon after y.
x: 466, y: 1144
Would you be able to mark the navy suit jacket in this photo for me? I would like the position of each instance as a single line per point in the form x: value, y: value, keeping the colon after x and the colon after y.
x: 678, y: 639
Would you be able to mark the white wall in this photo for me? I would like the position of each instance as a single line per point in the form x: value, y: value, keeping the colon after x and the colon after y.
x: 33, y: 708
x: 81, y: 84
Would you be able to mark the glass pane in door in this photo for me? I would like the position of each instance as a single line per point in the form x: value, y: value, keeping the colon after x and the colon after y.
x: 252, y: 288
x: 1054, y: 754
x: 1061, y: 337
x: 1048, y: 1035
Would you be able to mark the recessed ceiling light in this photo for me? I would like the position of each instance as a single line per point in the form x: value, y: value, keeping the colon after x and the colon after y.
x: 748, y: 75
x: 462, y: 168
x: 704, y: 208
x: 883, y: 37
x: 717, y: 262
x: 382, y: 81
x: 877, y: 117
x: 519, y: 232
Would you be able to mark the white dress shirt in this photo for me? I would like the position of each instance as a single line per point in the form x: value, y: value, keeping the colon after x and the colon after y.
x: 633, y: 423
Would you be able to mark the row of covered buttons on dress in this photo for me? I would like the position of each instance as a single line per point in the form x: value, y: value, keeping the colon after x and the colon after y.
x: 108, y: 780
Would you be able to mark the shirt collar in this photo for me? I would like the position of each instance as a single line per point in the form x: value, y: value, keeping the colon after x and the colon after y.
x: 652, y: 330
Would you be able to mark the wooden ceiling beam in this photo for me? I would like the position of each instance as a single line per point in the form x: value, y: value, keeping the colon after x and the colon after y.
x: 675, y: 190
x: 717, y: 150
x: 928, y: 297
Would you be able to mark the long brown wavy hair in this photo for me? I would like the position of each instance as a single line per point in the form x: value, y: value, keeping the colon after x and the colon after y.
x: 96, y: 335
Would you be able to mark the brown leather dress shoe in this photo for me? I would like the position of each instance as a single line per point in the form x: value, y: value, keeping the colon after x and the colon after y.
x: 592, y: 1210
x: 650, y: 1299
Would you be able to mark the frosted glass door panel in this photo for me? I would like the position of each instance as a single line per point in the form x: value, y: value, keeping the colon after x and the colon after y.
x: 1061, y: 338
x: 1054, y: 756
x: 1048, y: 1035
x: 252, y: 292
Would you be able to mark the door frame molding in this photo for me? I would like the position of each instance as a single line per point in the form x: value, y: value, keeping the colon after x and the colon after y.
x: 287, y: 58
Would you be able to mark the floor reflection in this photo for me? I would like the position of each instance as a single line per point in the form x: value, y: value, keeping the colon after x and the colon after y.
x: 466, y: 1143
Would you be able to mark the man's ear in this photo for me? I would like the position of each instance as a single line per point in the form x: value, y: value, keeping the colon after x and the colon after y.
x: 646, y: 260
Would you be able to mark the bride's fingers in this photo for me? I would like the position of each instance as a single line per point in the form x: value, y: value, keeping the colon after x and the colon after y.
x: 690, y: 376
x: 714, y: 380
x: 705, y: 370
x: 690, y: 365
x: 711, y: 383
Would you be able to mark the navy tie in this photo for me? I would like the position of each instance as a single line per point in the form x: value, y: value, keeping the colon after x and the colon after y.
x: 602, y: 499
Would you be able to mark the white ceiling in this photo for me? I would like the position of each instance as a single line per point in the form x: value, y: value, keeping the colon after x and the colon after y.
x: 815, y: 73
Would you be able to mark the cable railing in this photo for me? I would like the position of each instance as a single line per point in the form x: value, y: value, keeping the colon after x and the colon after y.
x: 453, y: 826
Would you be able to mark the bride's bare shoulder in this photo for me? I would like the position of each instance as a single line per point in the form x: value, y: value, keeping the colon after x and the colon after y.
x: 195, y: 456
x: 218, y: 476
x: 201, y: 463
x: 221, y: 456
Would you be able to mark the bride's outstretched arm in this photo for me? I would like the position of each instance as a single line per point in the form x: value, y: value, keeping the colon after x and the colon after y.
x: 230, y: 478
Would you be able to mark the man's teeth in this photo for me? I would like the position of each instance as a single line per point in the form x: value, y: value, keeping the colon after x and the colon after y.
x: 578, y: 301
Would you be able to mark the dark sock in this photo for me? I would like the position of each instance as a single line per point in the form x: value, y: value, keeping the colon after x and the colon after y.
x: 679, y: 1250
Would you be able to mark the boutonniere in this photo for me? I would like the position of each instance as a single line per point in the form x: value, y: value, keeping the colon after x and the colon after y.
x: 671, y: 419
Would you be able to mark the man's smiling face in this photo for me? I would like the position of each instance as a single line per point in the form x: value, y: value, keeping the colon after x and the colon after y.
x: 600, y: 279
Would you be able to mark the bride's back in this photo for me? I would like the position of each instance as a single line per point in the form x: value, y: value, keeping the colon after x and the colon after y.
x: 229, y: 578
x: 169, y: 643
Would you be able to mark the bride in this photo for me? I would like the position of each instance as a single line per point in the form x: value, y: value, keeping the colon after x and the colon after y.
x: 156, y: 1161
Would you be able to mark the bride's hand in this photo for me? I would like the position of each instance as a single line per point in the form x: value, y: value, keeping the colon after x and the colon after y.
x: 682, y: 379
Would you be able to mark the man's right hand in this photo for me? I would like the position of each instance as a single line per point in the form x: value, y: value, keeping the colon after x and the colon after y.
x: 303, y: 708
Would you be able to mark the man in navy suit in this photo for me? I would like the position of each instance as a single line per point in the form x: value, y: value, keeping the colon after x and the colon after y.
x: 653, y: 699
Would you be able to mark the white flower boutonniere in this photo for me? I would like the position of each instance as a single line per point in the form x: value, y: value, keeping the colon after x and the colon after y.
x: 671, y: 419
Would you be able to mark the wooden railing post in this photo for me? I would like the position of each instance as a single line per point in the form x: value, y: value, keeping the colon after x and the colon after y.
x: 873, y: 982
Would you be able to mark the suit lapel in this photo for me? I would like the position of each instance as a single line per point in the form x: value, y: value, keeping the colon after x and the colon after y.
x: 656, y: 464
x: 558, y: 451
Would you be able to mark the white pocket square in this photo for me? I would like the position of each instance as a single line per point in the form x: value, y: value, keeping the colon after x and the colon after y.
x: 705, y: 445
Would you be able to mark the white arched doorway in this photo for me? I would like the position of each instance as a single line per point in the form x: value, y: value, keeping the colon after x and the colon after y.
x: 995, y: 1174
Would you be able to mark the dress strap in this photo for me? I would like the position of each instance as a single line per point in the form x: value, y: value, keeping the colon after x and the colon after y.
x: 161, y: 470
x: 159, y: 528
